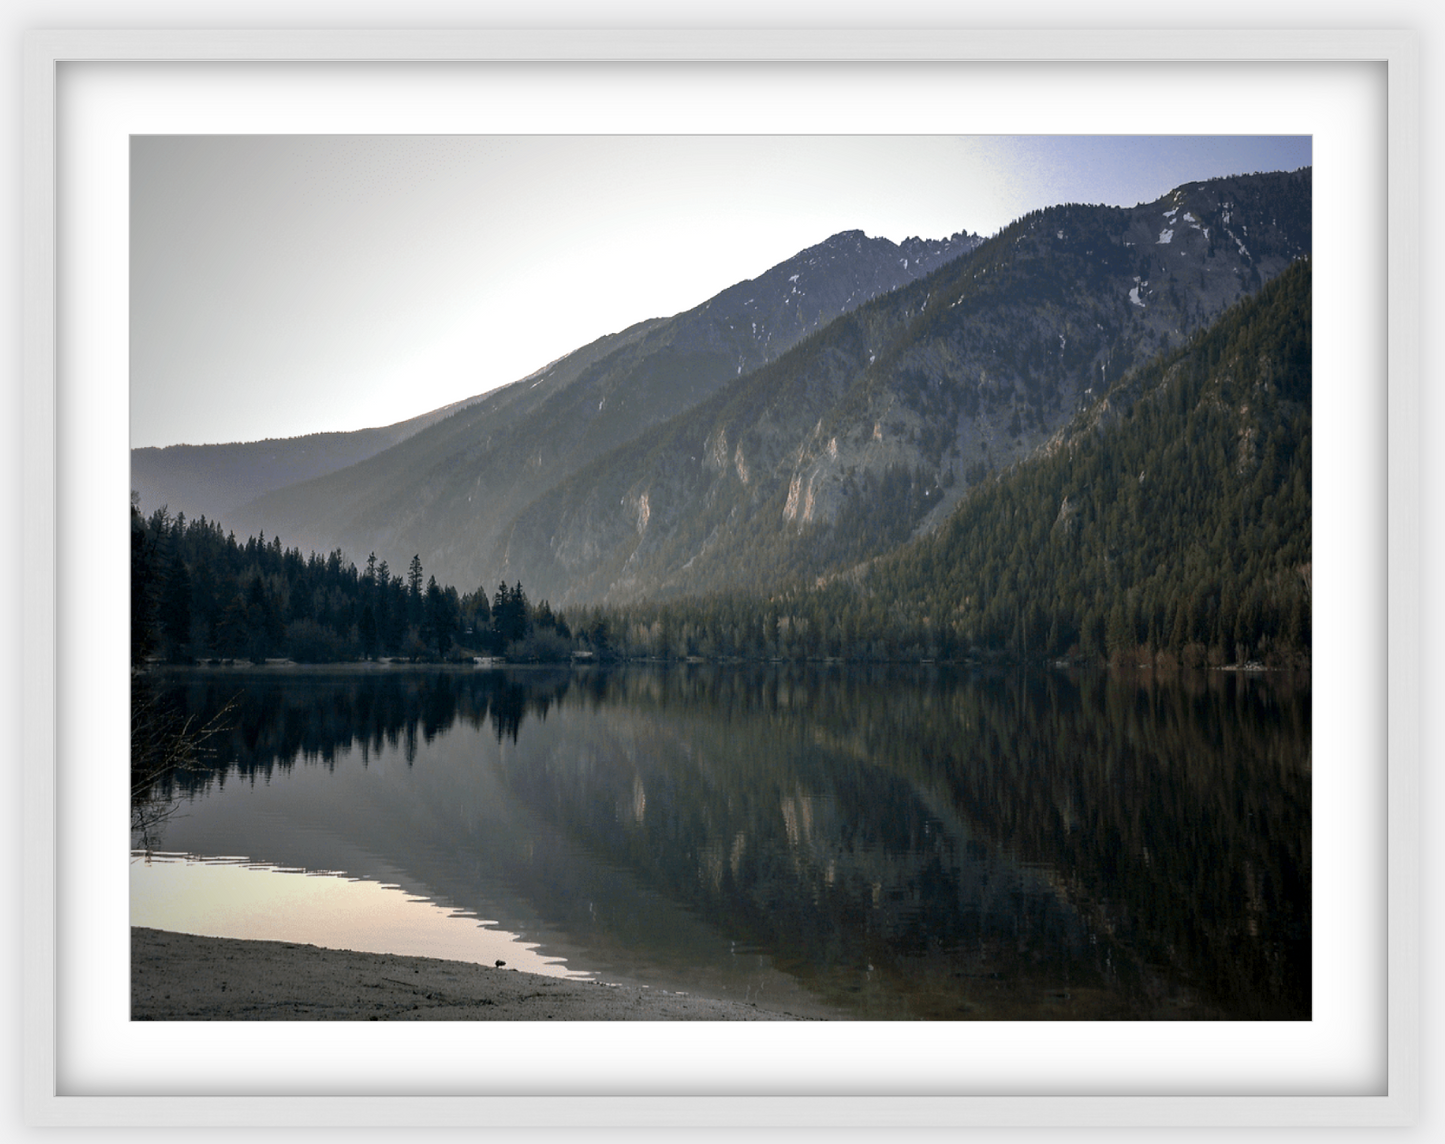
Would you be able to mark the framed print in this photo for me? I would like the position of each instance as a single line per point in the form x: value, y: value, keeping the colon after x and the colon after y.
x: 89, y: 94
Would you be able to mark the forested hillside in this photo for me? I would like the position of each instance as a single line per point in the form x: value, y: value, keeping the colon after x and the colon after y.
x: 1168, y: 523
x: 873, y: 428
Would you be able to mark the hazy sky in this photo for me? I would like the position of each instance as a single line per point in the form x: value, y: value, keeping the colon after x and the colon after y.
x: 283, y: 285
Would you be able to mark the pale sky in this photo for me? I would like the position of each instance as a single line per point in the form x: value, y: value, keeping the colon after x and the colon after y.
x: 283, y: 285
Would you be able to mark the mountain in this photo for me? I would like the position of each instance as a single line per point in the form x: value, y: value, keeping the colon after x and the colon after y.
x: 449, y: 491
x: 1173, y: 516
x: 1169, y: 522
x: 214, y: 480
x: 871, y: 430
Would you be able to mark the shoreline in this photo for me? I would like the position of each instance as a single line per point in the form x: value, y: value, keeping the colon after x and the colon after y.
x: 186, y: 977
x: 493, y: 663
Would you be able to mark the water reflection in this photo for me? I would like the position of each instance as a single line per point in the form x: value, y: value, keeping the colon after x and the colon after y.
x: 896, y: 843
x: 228, y: 897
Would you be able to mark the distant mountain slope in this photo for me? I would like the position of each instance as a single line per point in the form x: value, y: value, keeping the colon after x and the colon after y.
x: 869, y: 431
x: 447, y: 493
x: 214, y: 480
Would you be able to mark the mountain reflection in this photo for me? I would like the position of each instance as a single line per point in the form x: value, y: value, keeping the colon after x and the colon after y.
x: 904, y: 843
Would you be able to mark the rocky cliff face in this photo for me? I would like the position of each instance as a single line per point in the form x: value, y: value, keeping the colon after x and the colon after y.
x: 450, y: 492
x: 871, y: 429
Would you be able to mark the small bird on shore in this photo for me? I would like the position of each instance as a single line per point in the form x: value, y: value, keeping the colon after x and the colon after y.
x: 500, y: 963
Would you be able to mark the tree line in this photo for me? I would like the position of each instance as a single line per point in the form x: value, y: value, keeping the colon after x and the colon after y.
x: 199, y: 593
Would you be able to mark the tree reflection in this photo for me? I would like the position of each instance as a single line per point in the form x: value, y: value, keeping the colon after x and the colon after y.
x: 916, y: 842
x: 166, y: 744
x: 275, y: 720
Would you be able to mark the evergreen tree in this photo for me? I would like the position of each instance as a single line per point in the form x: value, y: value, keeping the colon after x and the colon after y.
x: 442, y: 614
x: 144, y: 577
x: 369, y: 632
x: 175, y: 610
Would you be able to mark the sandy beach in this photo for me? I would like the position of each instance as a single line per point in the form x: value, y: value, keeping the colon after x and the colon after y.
x: 182, y: 977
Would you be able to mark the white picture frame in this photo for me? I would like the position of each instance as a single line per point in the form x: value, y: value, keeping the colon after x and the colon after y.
x: 51, y: 460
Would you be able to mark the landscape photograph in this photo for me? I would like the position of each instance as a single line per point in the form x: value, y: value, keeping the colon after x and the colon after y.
x: 721, y: 578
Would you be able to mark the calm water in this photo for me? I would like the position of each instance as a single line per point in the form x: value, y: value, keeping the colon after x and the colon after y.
x: 879, y: 843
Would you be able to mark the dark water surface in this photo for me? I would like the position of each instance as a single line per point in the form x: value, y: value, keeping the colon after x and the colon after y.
x: 887, y: 843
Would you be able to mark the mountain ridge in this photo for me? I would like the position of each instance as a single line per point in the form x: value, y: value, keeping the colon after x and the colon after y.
x: 755, y: 441
x: 1168, y: 524
x: 869, y: 432
x: 485, y: 463
x: 213, y: 480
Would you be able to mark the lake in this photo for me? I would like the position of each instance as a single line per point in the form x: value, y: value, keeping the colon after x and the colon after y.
x: 867, y: 842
